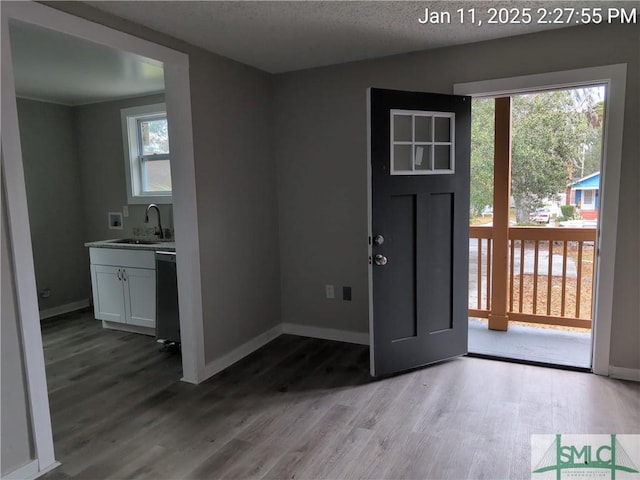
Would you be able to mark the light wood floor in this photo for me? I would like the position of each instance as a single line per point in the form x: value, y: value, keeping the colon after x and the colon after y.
x: 305, y: 408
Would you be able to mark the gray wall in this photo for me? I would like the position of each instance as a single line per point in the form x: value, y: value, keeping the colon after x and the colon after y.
x: 17, y: 442
x: 74, y: 173
x: 54, y: 197
x: 236, y: 189
x: 320, y: 146
x: 101, y: 153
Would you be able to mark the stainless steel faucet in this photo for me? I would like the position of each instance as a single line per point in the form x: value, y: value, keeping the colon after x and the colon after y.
x: 146, y: 218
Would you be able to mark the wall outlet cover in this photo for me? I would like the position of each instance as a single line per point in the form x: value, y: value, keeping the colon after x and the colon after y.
x: 115, y: 220
x: 329, y: 291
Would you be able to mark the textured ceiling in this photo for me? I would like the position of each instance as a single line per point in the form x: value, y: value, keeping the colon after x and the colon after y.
x: 292, y: 35
x: 58, y: 68
x: 272, y: 36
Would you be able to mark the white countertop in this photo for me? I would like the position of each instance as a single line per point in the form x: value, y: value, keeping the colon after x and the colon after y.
x: 159, y: 245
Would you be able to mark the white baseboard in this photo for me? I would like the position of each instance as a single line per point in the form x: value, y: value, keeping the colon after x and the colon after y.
x: 326, y: 333
x: 61, y: 309
x: 45, y: 470
x: 29, y: 471
x: 621, y: 373
x: 242, y: 351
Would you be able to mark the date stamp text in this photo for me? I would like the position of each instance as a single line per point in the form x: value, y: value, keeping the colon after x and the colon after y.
x: 526, y: 15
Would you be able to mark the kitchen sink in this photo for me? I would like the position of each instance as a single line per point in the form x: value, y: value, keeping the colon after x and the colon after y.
x: 135, y: 241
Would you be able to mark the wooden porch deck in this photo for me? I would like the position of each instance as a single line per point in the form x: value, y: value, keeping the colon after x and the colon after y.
x: 531, y: 344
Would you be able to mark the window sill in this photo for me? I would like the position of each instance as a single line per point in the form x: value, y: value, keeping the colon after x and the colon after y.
x: 144, y: 200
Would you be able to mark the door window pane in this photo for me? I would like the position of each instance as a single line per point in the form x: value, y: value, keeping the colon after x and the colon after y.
x: 402, y: 128
x: 423, y: 128
x: 442, y: 157
x: 402, y: 157
x: 423, y: 157
x: 443, y: 129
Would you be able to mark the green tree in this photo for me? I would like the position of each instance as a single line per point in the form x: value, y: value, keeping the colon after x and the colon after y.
x: 482, y: 133
x: 551, y: 132
x: 556, y: 138
x: 593, y: 151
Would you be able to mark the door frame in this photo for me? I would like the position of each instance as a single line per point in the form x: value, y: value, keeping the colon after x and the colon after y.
x: 614, y: 78
x: 177, y: 95
x: 372, y: 371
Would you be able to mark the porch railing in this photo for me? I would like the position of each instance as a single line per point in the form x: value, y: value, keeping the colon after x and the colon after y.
x: 550, y: 274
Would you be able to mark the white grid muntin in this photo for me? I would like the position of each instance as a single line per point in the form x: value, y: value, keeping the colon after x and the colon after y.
x: 413, y: 143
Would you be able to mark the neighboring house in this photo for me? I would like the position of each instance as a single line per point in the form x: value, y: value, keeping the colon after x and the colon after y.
x: 585, y: 195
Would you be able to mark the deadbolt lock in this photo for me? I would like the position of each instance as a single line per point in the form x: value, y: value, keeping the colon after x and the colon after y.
x: 380, y: 260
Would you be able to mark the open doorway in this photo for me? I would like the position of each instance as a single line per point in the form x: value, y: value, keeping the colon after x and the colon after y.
x: 556, y: 139
x: 70, y: 97
x: 184, y: 203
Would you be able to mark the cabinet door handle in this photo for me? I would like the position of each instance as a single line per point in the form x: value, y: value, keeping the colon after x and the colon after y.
x: 124, y: 274
x: 119, y: 275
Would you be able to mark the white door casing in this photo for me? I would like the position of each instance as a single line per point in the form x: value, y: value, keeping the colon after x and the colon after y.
x: 177, y: 95
x: 614, y: 77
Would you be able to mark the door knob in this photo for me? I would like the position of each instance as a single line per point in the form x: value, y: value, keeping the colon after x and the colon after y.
x: 380, y: 260
x: 378, y: 240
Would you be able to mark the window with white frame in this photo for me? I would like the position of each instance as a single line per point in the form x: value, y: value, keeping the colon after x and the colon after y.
x: 145, y: 133
x: 422, y: 143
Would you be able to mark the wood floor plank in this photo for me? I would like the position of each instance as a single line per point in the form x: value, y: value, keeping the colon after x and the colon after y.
x: 222, y: 458
x: 306, y: 408
x: 337, y: 454
x: 378, y: 456
x: 312, y: 443
x: 415, y: 460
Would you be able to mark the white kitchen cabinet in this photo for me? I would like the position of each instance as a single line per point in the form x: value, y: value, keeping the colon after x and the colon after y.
x: 124, y: 286
x: 108, y: 291
x: 140, y: 296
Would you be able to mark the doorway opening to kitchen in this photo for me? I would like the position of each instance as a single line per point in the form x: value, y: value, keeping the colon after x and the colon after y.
x: 19, y: 238
x: 97, y: 306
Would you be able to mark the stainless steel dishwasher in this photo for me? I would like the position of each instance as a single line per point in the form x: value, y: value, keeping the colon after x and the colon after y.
x: 167, y: 314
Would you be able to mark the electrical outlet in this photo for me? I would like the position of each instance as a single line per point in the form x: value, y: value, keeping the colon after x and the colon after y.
x: 329, y: 291
x: 125, y: 211
x: 346, y: 294
x: 115, y: 220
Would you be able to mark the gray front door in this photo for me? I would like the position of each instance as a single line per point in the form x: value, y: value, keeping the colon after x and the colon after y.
x: 420, y: 147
